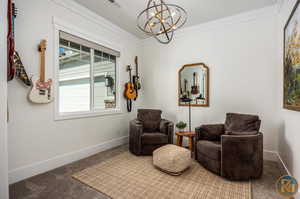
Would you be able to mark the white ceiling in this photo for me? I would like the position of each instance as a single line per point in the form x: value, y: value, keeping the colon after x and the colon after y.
x: 199, y: 11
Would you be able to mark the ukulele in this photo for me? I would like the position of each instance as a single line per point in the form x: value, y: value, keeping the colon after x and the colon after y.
x: 130, y: 92
x: 41, y: 91
x: 195, y: 88
x: 136, y: 78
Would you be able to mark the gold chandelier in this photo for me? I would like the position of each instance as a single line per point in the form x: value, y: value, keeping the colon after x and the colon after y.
x: 160, y: 20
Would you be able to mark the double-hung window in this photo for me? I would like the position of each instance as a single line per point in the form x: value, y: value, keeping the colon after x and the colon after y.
x: 87, y: 76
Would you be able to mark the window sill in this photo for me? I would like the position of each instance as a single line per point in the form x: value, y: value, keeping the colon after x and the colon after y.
x: 82, y: 115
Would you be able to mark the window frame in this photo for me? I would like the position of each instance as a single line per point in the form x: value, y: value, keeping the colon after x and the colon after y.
x: 60, y: 25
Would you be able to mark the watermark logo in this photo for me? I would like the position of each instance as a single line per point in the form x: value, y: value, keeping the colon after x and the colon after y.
x: 287, y: 187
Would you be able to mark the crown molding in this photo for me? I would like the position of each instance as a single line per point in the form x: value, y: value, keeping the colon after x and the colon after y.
x: 222, y: 23
x: 97, y: 19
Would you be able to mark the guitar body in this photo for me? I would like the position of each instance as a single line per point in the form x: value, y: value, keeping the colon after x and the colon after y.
x: 40, y: 92
x: 130, y: 92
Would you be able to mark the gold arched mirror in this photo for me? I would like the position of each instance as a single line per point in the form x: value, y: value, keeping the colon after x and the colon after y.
x: 194, y: 85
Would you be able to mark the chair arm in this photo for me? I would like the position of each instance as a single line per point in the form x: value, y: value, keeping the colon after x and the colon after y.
x: 167, y: 127
x: 135, y: 133
x: 209, y: 132
x: 242, y: 156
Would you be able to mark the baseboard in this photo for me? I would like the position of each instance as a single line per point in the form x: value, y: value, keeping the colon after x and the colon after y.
x: 274, y: 156
x: 25, y: 172
x: 271, y: 155
x: 284, y: 165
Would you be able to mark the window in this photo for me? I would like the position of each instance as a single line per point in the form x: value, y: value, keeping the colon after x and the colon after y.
x: 87, y: 76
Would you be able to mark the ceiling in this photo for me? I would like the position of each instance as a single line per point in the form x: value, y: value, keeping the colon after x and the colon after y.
x: 199, y: 11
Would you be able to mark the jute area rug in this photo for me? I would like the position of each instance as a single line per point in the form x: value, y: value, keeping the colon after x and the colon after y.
x: 130, y: 177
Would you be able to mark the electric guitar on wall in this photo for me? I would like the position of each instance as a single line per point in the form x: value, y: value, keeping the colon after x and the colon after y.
x: 136, y: 77
x: 41, y: 89
x: 11, y: 14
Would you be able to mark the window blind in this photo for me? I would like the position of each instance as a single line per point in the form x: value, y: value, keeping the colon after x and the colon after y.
x: 84, y: 42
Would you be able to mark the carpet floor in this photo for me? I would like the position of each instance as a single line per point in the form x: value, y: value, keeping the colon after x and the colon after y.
x: 59, y: 183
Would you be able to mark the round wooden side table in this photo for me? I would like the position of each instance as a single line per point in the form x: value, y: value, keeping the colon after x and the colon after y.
x: 190, y: 135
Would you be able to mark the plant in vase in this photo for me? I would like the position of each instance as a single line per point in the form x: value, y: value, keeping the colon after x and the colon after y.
x: 181, y: 126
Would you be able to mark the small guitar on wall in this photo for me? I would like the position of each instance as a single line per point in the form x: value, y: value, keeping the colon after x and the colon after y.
x: 41, y: 89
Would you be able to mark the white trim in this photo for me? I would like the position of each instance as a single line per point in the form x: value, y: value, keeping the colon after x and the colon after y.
x: 223, y: 23
x: 60, y: 25
x: 97, y: 19
x: 284, y: 165
x: 271, y: 155
x: 3, y: 100
x: 25, y: 172
x: 274, y: 156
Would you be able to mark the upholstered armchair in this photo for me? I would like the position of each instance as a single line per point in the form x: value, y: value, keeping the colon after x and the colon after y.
x: 149, y: 132
x: 233, y: 150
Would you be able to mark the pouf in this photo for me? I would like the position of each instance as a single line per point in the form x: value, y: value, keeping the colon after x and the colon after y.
x: 172, y: 159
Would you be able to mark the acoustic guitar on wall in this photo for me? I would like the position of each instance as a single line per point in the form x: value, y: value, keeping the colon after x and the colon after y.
x: 130, y: 92
x: 41, y: 90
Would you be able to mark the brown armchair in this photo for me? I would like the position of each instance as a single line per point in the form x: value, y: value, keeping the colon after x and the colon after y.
x: 233, y: 150
x: 149, y: 132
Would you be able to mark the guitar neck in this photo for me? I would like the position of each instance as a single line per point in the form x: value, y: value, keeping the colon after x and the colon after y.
x: 42, y: 66
x: 130, y: 79
x: 136, y: 66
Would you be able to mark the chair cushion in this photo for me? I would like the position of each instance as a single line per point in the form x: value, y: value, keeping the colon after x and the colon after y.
x: 210, y: 149
x: 211, y: 132
x: 154, y: 138
x: 241, y: 122
x: 172, y: 159
x: 150, y: 118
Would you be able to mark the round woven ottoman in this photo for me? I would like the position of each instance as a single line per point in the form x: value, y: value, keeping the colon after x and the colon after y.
x: 172, y: 159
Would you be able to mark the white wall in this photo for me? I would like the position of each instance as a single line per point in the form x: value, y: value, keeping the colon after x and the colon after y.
x: 37, y: 142
x: 241, y: 54
x: 3, y: 103
x: 288, y: 141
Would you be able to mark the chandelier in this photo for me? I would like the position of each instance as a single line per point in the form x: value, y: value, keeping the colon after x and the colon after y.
x: 160, y: 20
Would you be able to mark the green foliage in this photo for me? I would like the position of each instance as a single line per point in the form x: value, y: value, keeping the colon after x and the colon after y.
x: 181, y: 125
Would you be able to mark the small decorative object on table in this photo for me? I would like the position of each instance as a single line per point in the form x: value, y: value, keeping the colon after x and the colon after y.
x: 181, y: 125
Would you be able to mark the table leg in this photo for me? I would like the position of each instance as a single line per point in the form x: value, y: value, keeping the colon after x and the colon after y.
x: 179, y: 140
x: 191, y: 144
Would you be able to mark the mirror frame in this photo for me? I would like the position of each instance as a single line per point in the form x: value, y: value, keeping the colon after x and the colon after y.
x: 207, y: 83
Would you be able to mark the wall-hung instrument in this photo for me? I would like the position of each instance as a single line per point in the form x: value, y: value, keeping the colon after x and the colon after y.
x: 11, y: 14
x: 41, y: 89
x: 197, y: 76
x: 130, y: 92
x: 15, y: 65
x: 136, y: 77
